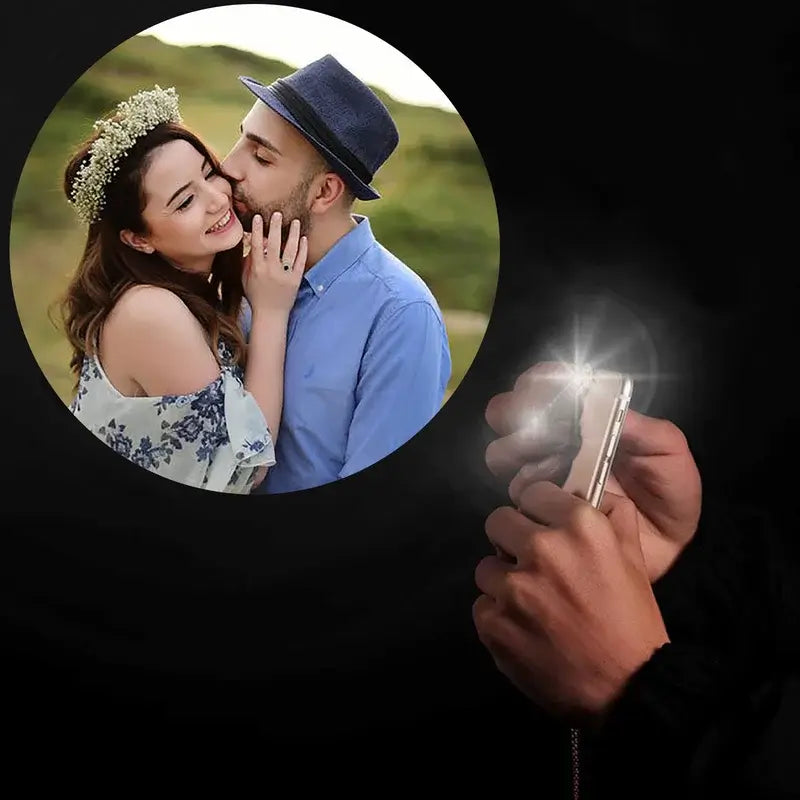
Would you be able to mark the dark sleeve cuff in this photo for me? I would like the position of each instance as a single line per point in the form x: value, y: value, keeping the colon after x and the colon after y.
x: 674, y: 696
x: 656, y: 734
x: 677, y: 714
x: 715, y: 604
x: 690, y: 724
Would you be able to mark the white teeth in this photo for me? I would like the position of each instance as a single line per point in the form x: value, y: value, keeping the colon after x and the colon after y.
x: 221, y: 224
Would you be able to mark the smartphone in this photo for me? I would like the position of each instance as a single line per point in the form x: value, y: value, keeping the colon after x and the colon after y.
x: 603, y: 399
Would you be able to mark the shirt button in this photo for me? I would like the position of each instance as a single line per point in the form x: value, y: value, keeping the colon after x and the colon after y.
x: 320, y: 288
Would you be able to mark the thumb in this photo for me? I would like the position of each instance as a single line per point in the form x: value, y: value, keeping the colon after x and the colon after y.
x: 624, y: 519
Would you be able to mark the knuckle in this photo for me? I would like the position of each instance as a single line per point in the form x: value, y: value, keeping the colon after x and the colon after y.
x: 675, y: 436
x: 529, y: 550
x: 493, y: 404
x: 532, y: 494
x: 477, y: 572
x: 527, y: 496
x: 481, y: 569
x: 516, y: 487
x: 549, y: 553
x: 581, y: 516
x: 518, y: 594
x: 497, y: 520
x: 483, y: 617
x: 477, y: 609
x: 496, y: 456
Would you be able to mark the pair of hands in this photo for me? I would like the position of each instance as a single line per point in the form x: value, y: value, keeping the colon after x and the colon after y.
x: 268, y: 286
x: 568, y: 614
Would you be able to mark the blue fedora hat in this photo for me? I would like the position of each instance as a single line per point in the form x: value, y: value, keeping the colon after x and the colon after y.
x: 339, y: 114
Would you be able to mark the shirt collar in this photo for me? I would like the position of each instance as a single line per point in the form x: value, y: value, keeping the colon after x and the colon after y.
x: 342, y: 255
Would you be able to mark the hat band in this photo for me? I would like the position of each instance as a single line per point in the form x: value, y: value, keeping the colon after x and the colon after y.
x: 312, y: 123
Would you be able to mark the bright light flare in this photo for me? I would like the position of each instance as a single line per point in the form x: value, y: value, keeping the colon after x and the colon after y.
x: 580, y: 376
x: 609, y: 337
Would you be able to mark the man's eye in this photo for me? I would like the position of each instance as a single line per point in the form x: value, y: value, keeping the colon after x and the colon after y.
x: 259, y: 159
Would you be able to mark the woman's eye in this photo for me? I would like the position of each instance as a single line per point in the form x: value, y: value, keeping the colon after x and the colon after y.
x: 212, y: 174
x: 185, y: 203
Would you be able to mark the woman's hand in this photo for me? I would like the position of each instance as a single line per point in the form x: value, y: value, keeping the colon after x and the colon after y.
x: 271, y: 279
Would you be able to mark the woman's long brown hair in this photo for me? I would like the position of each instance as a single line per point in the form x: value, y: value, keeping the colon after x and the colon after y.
x: 108, y: 266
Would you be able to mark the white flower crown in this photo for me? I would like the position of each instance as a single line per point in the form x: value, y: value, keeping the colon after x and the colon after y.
x: 134, y: 117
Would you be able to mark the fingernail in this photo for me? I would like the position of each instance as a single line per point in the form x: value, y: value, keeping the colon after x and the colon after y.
x: 276, y: 214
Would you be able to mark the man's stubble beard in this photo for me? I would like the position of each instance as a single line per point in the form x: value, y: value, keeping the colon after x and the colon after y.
x: 292, y: 207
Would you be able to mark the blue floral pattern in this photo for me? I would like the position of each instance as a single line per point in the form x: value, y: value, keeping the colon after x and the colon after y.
x: 183, y: 437
x: 89, y: 371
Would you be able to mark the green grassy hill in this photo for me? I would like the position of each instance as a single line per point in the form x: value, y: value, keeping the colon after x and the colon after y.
x: 437, y: 210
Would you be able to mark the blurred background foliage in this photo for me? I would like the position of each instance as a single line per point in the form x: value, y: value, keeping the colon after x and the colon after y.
x: 437, y: 211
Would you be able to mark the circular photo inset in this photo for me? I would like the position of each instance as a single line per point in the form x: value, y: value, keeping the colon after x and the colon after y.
x: 251, y: 263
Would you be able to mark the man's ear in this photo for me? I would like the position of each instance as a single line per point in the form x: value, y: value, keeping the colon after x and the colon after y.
x: 327, y: 192
x: 136, y: 241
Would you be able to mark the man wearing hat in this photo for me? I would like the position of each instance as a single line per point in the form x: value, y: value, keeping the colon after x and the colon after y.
x: 368, y: 359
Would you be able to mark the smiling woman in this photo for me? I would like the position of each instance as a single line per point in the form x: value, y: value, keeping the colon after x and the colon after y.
x: 152, y: 311
x: 176, y: 222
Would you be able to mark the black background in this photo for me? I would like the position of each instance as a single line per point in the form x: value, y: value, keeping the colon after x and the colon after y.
x: 644, y: 158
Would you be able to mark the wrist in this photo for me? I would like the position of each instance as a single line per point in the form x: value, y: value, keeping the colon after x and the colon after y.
x: 270, y: 314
